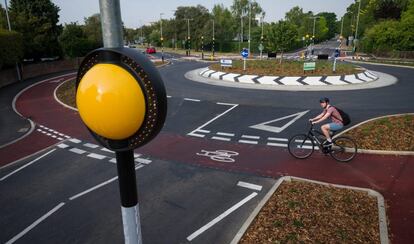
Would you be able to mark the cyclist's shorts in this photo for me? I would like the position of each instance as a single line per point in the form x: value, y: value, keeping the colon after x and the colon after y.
x: 335, y: 126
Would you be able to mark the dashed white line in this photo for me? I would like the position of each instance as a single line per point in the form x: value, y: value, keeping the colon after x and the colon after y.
x: 277, y: 139
x: 107, y: 150
x: 96, y: 156
x: 77, y: 150
x: 196, y: 135
x: 74, y: 140
x: 113, y: 160
x: 248, y: 142
x: 203, y: 131
x: 251, y: 137
x: 143, y: 160
x: 62, y: 145
x: 276, y: 144
x: 227, y: 104
x: 26, y: 165
x: 90, y: 145
x: 221, y: 138
x: 224, y: 134
x: 136, y: 155
x: 192, y: 100
x: 34, y: 224
x: 249, y: 186
x: 60, y: 138
x: 221, y: 216
x: 168, y: 96
x: 93, y: 188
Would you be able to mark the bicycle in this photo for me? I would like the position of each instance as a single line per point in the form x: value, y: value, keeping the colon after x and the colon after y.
x: 301, y: 146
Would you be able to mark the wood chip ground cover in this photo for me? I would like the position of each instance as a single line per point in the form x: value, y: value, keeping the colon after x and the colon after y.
x: 395, y: 133
x: 303, y: 212
x: 288, y: 68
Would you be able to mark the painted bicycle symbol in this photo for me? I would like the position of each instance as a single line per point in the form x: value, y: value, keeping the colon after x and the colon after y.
x: 219, y: 155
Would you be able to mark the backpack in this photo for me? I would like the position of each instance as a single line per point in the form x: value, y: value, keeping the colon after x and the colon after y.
x: 346, y: 120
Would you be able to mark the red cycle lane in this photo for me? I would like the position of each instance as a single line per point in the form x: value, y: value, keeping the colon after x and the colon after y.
x: 390, y: 175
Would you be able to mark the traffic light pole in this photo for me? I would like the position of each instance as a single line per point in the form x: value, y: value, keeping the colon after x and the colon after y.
x: 112, y: 38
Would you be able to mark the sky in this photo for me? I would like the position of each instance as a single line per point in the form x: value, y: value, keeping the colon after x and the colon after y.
x: 138, y: 12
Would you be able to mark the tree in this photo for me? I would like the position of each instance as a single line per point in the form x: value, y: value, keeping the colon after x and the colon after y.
x: 330, y: 19
x: 93, y: 29
x: 3, y: 20
x: 240, y: 11
x: 281, y: 36
x: 224, y: 27
x: 37, y: 21
x: 74, y: 42
x: 11, y: 47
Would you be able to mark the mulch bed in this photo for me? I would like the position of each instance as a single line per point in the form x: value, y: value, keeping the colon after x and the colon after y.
x: 303, y: 212
x: 394, y: 133
x: 67, y: 93
x: 287, y: 68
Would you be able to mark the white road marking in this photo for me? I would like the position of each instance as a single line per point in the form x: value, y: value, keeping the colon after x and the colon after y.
x: 249, y: 186
x: 210, y: 121
x: 136, y: 155
x: 226, y: 104
x: 277, y: 139
x: 221, y: 138
x: 168, y: 96
x: 192, y: 100
x: 96, y: 156
x: 54, y: 136
x: 48, y: 134
x: 62, y: 145
x: 60, y: 138
x: 39, y: 130
x: 264, y: 126
x: 77, y: 150
x: 203, y: 131
x: 197, y: 135
x: 224, y: 134
x: 277, y: 144
x: 221, y: 216
x: 34, y: 224
x: 251, y: 137
x: 90, y: 145
x: 28, y: 164
x: 74, y: 140
x: 113, y: 160
x: 67, y: 137
x: 248, y: 142
x: 93, y: 188
x: 143, y: 160
x: 107, y: 150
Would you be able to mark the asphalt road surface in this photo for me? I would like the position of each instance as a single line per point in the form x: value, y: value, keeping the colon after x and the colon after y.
x: 219, y: 153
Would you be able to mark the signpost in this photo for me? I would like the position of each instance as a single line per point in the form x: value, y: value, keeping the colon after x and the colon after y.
x: 122, y: 101
x: 310, y: 66
x: 226, y: 62
x: 245, y: 54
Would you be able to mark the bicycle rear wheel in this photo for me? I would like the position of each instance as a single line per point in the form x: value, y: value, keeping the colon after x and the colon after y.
x: 301, y: 146
x: 344, y: 149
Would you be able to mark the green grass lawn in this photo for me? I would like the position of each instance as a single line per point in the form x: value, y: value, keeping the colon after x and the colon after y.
x: 287, y: 68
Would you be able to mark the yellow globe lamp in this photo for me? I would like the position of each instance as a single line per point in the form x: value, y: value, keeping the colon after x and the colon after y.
x: 110, y: 101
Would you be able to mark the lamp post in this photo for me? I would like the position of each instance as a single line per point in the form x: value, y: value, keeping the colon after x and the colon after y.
x: 162, y: 38
x: 214, y: 40
x: 357, y: 23
x: 314, y: 24
x: 250, y: 19
x: 202, y: 47
x: 188, y: 37
x: 19, y: 76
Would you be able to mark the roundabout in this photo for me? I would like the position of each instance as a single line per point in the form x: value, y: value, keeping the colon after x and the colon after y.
x: 214, y: 137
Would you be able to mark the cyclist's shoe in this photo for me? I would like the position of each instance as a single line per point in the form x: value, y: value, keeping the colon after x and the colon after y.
x: 327, y: 144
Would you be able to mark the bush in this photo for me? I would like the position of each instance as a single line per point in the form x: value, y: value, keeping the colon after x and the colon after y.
x: 11, y: 47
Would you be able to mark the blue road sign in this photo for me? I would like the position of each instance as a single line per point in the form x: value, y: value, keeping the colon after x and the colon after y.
x: 245, y: 53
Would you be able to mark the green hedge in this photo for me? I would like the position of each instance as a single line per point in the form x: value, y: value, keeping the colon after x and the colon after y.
x: 11, y: 47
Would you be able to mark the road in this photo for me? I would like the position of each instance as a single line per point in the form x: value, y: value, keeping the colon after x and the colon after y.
x: 220, y: 151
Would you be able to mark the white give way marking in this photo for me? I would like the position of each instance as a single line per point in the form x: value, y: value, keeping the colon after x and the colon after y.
x: 266, y: 127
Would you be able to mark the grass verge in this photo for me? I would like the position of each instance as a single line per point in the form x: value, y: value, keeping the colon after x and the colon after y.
x: 287, y: 68
x: 394, y: 133
x: 304, y: 212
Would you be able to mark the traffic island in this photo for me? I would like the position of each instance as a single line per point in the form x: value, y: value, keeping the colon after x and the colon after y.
x: 298, y: 210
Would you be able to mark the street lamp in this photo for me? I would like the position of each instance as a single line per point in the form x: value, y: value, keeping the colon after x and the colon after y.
x: 250, y: 19
x: 188, y: 37
x: 357, y: 23
x: 212, y: 47
x: 261, y: 37
x: 314, y: 23
x: 202, y: 47
x: 162, y: 38
x: 19, y: 77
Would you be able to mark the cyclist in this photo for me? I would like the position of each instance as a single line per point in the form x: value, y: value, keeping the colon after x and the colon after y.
x: 328, y: 112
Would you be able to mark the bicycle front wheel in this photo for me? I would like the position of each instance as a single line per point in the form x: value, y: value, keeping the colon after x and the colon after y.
x: 344, y: 149
x: 301, y: 146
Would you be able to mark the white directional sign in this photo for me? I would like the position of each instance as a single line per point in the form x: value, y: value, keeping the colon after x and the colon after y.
x: 275, y: 129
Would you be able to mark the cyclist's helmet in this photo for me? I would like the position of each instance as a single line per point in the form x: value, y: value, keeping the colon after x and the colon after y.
x: 324, y: 100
